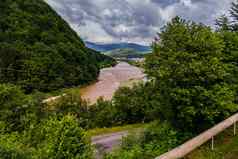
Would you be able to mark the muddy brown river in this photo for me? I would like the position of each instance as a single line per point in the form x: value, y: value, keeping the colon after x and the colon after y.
x: 110, y: 79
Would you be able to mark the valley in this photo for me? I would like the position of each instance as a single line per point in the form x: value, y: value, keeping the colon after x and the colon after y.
x: 116, y: 90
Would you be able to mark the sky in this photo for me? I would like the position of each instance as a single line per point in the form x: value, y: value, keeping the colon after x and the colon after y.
x: 137, y: 21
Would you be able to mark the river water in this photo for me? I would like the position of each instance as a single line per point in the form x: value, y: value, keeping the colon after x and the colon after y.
x: 109, y: 80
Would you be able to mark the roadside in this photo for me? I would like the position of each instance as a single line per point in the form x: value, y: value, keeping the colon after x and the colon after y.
x: 225, y: 147
x: 106, y: 143
x: 108, y: 139
x: 103, y: 131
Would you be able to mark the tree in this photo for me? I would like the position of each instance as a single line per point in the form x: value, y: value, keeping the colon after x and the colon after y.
x: 234, y: 15
x: 234, y: 10
x: 223, y: 23
x: 191, y: 77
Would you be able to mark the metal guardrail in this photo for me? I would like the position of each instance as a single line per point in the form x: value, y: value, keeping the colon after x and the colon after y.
x: 189, y: 146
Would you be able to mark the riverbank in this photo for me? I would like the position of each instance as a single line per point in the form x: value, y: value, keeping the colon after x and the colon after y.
x: 108, y: 82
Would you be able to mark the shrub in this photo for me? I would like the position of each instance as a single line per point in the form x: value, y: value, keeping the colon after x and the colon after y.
x: 58, y: 138
x: 16, y: 109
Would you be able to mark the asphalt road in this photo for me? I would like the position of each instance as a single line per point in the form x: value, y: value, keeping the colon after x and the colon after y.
x: 106, y: 143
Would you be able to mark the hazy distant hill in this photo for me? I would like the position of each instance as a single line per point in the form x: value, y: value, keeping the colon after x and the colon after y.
x: 125, y: 53
x: 113, y: 46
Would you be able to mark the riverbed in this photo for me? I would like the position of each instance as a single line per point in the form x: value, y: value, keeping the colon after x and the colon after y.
x: 110, y: 79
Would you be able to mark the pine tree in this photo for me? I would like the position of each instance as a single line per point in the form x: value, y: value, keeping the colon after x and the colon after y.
x: 234, y: 15
x: 234, y: 10
x: 223, y: 23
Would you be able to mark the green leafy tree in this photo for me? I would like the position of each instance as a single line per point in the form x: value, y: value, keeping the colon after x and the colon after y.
x: 136, y: 104
x: 193, y: 82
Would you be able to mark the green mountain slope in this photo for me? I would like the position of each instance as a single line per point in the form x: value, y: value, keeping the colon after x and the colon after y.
x: 38, y: 49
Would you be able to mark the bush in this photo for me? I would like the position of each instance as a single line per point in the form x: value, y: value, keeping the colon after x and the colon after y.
x: 17, y: 109
x: 12, y: 148
x: 136, y: 104
x: 61, y: 138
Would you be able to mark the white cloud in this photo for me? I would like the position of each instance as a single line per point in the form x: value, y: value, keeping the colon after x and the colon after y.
x: 133, y: 20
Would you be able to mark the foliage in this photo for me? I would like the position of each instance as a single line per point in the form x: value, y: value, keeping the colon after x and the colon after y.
x: 39, y: 50
x: 128, y: 106
x: 16, y: 109
x: 60, y: 138
x: 156, y: 139
x: 193, y: 82
x: 12, y: 148
x: 138, y: 103
x: 53, y: 138
x: 26, y: 133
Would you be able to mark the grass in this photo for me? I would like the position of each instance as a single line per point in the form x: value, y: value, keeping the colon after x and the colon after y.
x: 102, y: 131
x: 225, y: 147
x: 130, y: 83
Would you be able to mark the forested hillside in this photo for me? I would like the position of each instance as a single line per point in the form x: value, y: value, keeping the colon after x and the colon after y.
x: 38, y: 49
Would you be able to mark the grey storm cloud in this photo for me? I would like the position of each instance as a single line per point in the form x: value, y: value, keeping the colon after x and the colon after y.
x: 133, y: 20
x: 164, y: 3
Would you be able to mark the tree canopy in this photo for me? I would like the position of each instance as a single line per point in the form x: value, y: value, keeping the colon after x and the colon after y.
x: 192, y: 79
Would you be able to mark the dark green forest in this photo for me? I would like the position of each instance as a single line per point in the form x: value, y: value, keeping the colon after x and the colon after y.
x: 39, y: 50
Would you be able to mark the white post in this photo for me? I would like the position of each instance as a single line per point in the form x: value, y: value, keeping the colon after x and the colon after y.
x: 234, y: 128
x: 212, y: 143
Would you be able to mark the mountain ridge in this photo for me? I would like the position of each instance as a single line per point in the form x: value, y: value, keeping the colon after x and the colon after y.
x: 113, y: 46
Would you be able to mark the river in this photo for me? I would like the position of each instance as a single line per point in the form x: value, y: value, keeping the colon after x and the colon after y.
x: 109, y: 80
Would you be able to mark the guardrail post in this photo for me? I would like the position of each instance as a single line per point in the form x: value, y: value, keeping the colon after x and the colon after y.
x: 212, y: 143
x: 234, y: 128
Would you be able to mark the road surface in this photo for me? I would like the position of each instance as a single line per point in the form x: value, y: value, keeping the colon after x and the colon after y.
x: 106, y: 143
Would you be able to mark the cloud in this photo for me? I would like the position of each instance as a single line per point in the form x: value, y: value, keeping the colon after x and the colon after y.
x: 133, y: 20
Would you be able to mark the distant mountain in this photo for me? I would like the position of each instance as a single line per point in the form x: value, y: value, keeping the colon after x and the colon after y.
x: 125, y: 53
x: 113, y: 46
